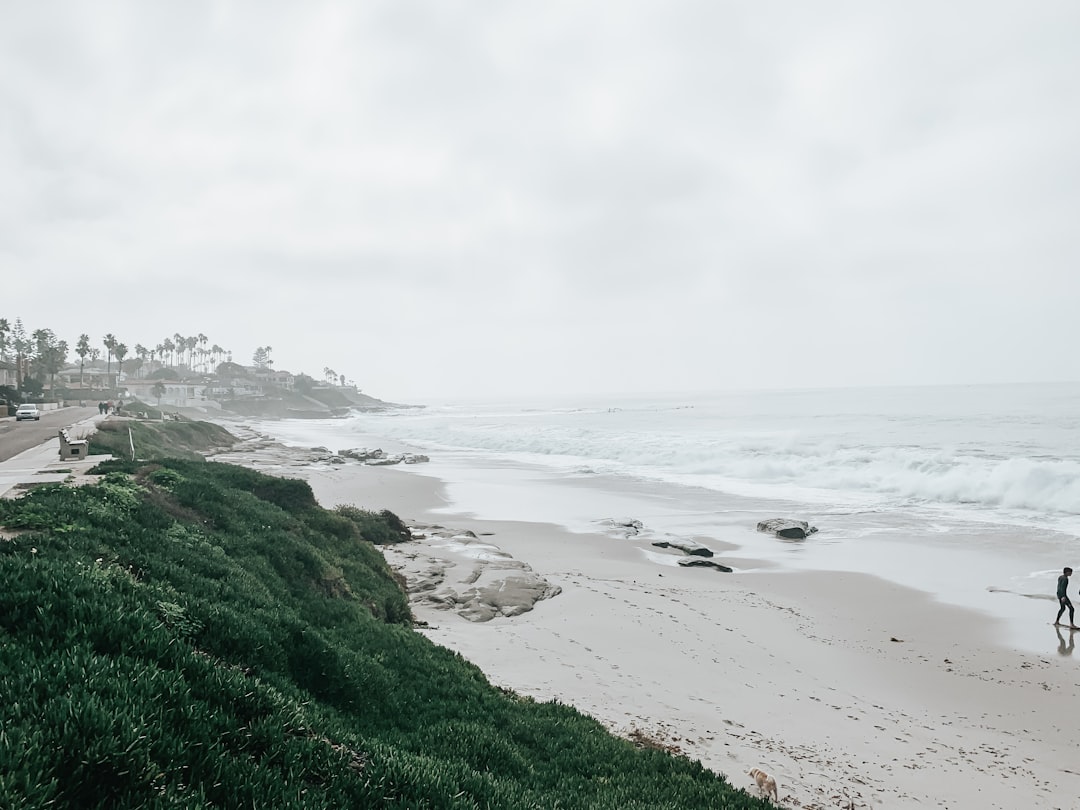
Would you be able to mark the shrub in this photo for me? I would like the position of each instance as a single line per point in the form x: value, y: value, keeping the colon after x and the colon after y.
x: 381, y: 528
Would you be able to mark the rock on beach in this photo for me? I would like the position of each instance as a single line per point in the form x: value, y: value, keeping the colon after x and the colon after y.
x: 379, y: 458
x: 786, y: 528
x: 459, y: 572
x: 685, y: 546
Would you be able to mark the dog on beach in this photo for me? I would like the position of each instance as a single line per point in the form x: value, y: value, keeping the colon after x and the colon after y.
x: 766, y: 785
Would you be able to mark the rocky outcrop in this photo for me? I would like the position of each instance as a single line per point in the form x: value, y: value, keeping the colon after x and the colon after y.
x: 698, y: 562
x: 378, y: 458
x: 786, y: 528
x: 361, y: 454
x: 400, y: 458
x: 458, y: 572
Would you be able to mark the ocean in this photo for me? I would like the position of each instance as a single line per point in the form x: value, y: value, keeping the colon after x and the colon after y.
x: 969, y: 493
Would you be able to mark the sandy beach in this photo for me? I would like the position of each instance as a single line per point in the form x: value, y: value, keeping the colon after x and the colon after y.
x: 852, y: 690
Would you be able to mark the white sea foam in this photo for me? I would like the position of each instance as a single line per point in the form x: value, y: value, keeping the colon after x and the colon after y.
x: 1008, y: 453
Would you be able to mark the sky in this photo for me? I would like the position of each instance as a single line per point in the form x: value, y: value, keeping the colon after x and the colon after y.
x: 450, y: 200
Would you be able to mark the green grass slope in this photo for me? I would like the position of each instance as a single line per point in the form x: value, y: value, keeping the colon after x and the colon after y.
x: 189, y: 634
x: 181, y: 438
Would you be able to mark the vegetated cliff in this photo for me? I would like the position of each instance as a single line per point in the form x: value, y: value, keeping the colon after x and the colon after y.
x: 187, y: 634
x: 175, y: 438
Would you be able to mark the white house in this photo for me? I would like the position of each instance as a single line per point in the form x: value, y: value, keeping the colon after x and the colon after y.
x: 178, y: 393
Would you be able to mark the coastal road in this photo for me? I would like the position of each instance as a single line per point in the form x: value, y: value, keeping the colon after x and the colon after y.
x: 15, y: 437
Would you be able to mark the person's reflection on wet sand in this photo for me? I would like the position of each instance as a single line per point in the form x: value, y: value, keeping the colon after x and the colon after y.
x: 1063, y: 648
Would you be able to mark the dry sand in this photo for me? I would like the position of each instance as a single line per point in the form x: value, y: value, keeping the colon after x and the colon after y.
x: 852, y: 691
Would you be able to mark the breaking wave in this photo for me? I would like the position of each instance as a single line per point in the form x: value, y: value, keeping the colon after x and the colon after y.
x: 868, y: 458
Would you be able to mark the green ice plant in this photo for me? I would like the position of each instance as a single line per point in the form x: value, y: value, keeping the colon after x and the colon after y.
x: 193, y: 634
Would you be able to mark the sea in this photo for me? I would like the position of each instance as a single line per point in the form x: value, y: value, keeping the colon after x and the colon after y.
x: 968, y: 493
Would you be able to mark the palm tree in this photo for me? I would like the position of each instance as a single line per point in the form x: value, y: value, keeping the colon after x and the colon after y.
x: 203, y: 340
x: 120, y: 350
x: 158, y: 391
x: 82, y: 348
x: 110, y: 343
x: 178, y: 343
x: 190, y: 343
x: 142, y: 352
x: 167, y: 346
x: 217, y: 351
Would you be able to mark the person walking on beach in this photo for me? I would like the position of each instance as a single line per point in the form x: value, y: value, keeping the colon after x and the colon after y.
x: 1063, y: 599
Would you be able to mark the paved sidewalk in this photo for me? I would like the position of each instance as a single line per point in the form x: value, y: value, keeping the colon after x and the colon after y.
x: 42, y: 464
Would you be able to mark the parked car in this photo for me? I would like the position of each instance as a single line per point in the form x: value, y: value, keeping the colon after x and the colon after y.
x: 27, y: 411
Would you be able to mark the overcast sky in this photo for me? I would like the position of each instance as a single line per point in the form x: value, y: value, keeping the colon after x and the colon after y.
x: 455, y: 199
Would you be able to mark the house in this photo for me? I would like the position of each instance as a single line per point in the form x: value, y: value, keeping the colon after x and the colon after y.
x: 235, y: 388
x: 279, y: 379
x: 7, y: 374
x: 86, y: 380
x: 178, y: 393
x: 282, y: 379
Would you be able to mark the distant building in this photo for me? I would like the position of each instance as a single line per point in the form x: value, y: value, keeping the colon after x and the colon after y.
x: 92, y: 378
x: 235, y: 388
x: 282, y: 379
x: 7, y: 374
x: 178, y: 393
x: 279, y: 379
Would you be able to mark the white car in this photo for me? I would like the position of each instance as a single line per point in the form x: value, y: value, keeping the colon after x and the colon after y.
x: 27, y: 411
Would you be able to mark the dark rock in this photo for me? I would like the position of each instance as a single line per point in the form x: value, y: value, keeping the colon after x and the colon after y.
x: 698, y: 562
x: 788, y: 529
x: 685, y: 546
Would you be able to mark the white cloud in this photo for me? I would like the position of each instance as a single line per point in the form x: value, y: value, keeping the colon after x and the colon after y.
x: 446, y: 198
